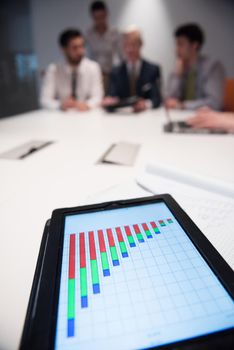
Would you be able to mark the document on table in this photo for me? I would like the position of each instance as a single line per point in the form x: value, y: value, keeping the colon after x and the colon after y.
x: 208, y: 202
x: 211, y: 211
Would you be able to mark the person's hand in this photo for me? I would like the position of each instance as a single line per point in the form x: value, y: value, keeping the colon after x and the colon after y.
x: 109, y: 101
x: 173, y: 103
x: 139, y: 106
x: 179, y: 67
x: 68, y: 103
x: 209, y: 119
x: 81, y: 106
x: 71, y: 103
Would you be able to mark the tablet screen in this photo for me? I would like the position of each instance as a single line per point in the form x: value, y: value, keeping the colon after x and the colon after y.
x: 131, y: 278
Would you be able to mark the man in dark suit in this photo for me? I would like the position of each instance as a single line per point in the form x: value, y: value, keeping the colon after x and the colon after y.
x: 135, y: 76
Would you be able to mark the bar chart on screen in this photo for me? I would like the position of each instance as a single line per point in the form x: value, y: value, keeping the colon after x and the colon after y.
x: 132, y: 278
x: 109, y: 239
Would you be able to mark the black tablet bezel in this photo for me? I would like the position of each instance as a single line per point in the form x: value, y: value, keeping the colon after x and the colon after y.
x: 40, y: 323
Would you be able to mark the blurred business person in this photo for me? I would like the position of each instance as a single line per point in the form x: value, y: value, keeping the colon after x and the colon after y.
x: 75, y: 83
x: 135, y: 76
x: 103, y: 42
x: 206, y: 118
x: 197, y: 80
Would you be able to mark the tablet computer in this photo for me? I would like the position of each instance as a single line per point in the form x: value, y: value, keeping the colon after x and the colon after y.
x: 125, y: 102
x: 181, y: 127
x: 132, y: 274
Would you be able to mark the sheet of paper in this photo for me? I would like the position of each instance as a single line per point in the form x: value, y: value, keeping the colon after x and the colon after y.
x: 125, y: 190
x: 122, y: 153
x: 210, y: 184
x: 211, y: 212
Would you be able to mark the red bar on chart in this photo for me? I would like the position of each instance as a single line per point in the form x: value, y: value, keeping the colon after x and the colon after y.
x: 72, y: 255
x: 136, y: 228
x: 110, y: 237
x: 82, y: 251
x: 101, y: 240
x: 92, y: 250
x: 119, y: 234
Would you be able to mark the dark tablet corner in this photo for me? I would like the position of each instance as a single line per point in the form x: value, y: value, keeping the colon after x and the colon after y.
x: 181, y: 127
x: 41, y: 318
x: 126, y: 102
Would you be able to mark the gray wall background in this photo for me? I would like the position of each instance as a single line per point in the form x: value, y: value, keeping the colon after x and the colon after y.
x: 156, y: 18
x: 18, y: 69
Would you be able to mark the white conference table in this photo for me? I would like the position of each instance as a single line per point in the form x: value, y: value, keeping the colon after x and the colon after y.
x: 66, y: 173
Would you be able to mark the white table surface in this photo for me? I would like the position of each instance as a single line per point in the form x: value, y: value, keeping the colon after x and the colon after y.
x: 65, y: 173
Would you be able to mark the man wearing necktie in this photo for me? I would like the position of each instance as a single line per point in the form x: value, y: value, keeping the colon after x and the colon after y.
x: 135, y: 77
x: 197, y: 81
x: 76, y: 83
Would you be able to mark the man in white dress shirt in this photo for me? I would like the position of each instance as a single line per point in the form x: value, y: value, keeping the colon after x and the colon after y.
x: 76, y: 83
